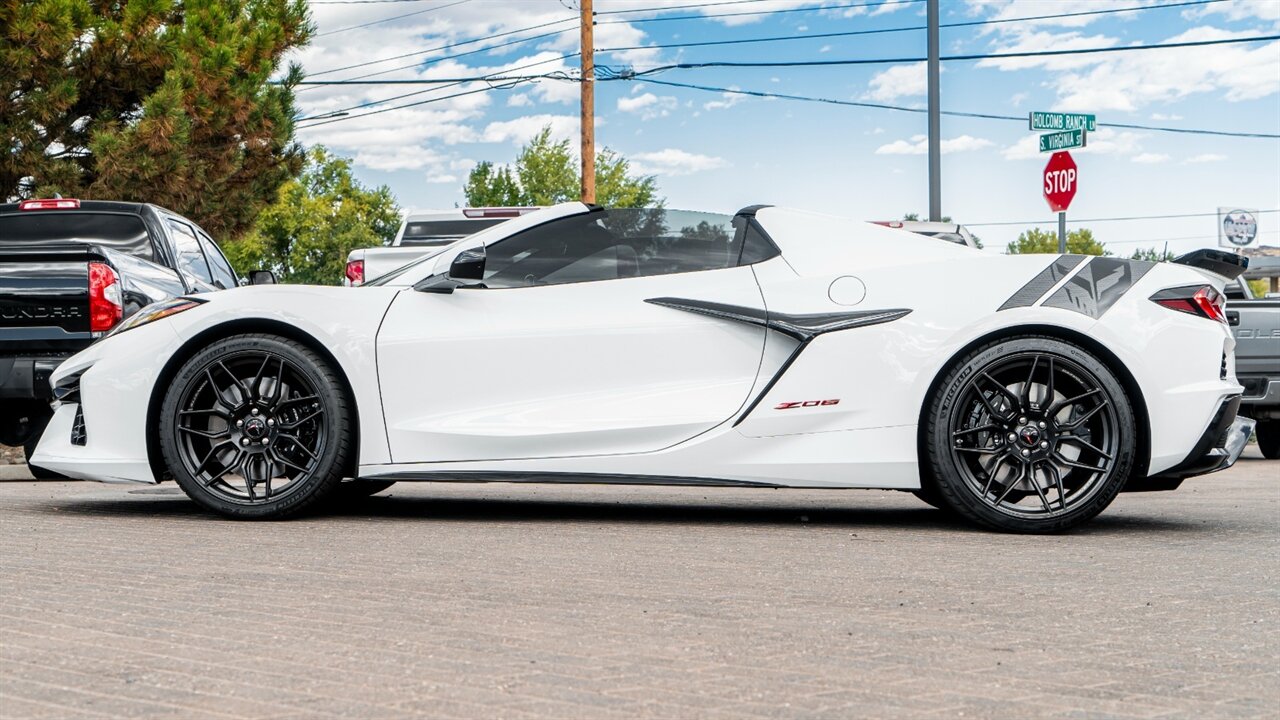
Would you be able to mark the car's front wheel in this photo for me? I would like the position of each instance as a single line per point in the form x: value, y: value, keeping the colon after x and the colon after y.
x: 1031, y: 435
x: 256, y: 426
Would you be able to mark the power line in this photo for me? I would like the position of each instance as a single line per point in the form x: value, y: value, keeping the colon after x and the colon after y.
x: 952, y: 113
x: 950, y: 58
x: 878, y: 31
x: 693, y: 5
x: 421, y: 92
x: 360, y: 2
x: 757, y: 12
x: 393, y: 17
x: 427, y: 81
x: 432, y: 61
x: 442, y: 47
x: 1175, y: 216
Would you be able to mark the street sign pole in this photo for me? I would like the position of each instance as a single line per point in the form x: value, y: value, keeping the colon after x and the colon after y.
x: 935, y: 112
x: 1062, y: 233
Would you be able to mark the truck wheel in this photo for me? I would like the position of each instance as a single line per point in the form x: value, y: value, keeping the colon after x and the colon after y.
x: 1269, y: 438
x: 257, y: 427
x: 1030, y: 435
x: 29, y: 449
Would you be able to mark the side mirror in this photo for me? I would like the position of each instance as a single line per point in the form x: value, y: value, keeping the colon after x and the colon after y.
x: 466, y: 270
x: 262, y: 277
x: 468, y: 267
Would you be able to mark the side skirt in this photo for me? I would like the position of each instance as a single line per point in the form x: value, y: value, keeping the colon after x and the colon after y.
x: 484, y: 476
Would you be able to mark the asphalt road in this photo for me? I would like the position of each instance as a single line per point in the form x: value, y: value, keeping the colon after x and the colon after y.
x: 507, y: 601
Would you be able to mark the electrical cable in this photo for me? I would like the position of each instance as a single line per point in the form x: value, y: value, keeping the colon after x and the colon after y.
x: 879, y: 31
x: 389, y: 19
x: 420, y: 92
x: 709, y: 16
x: 952, y: 113
x: 949, y: 58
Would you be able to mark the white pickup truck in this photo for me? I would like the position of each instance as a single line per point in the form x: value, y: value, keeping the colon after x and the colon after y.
x: 423, y: 233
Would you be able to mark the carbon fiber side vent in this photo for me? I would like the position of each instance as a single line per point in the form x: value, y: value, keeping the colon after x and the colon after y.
x: 1028, y: 294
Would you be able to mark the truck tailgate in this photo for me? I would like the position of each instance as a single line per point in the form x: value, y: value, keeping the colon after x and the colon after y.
x: 1256, y: 326
x: 44, y: 297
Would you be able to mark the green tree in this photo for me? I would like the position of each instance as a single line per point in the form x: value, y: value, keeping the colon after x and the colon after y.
x: 318, y: 218
x: 1035, y: 240
x: 167, y: 101
x: 546, y: 172
x: 1152, y: 255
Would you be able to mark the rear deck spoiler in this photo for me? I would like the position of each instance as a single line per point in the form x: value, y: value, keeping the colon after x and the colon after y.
x: 1219, y: 262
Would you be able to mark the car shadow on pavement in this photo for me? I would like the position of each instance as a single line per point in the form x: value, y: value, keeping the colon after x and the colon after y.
x: 169, y: 503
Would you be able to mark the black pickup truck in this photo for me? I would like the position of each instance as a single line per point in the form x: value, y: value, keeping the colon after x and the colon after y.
x: 1255, y: 322
x: 70, y: 270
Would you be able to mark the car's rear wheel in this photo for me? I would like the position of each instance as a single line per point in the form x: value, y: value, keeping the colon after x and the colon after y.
x: 256, y: 426
x: 1269, y: 438
x: 1030, y: 435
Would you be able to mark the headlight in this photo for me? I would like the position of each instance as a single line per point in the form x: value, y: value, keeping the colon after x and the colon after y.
x: 154, y: 312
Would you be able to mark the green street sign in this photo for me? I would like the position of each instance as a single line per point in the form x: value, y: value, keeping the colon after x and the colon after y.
x: 1053, y: 142
x: 1062, y: 121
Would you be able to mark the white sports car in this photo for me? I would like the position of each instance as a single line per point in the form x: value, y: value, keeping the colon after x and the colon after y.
x: 775, y: 348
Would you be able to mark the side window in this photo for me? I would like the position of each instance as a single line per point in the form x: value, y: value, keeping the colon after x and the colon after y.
x: 223, y: 276
x: 611, y: 245
x: 190, y: 258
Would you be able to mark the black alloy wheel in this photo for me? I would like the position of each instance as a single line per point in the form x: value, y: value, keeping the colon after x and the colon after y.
x: 256, y: 426
x: 1030, y: 435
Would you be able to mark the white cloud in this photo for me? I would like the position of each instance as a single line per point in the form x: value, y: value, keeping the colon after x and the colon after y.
x: 442, y: 179
x: 919, y: 145
x: 1268, y: 10
x: 726, y: 101
x: 1151, y: 158
x: 523, y: 129
x: 1164, y: 117
x: 521, y: 100
x: 648, y: 105
x: 1128, y: 81
x: 888, y: 6
x: 672, y: 161
x: 898, y: 81
x: 1206, y: 158
x: 824, y: 49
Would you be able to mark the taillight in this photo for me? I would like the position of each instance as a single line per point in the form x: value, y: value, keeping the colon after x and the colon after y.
x: 50, y: 204
x: 1202, y: 300
x: 355, y: 271
x: 106, y: 304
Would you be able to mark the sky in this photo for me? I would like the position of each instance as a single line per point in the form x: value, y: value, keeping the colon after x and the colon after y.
x: 721, y: 152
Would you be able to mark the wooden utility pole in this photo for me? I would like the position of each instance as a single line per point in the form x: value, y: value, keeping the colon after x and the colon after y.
x: 588, y: 86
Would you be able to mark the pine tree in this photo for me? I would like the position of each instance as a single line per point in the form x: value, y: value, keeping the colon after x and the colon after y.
x: 164, y: 101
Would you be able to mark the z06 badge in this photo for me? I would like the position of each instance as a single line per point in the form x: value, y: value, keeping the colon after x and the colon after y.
x: 805, y: 404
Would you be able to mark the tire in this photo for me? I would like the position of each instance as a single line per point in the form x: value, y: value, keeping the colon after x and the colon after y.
x: 1029, y: 435
x: 930, y: 496
x: 29, y: 449
x: 256, y: 427
x: 1269, y: 438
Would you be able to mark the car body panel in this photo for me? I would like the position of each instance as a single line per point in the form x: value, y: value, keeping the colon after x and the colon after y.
x: 595, y: 381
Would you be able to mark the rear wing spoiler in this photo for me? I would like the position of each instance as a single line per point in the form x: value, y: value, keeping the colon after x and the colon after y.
x: 1219, y: 262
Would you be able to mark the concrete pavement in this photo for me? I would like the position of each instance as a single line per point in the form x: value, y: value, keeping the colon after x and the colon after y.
x: 505, y: 601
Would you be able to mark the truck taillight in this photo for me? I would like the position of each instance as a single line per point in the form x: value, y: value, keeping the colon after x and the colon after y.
x: 355, y: 271
x: 106, y: 303
x: 1202, y: 300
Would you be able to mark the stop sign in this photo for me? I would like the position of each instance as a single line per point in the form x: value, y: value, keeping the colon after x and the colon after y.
x: 1060, y: 176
